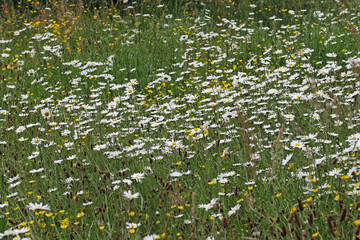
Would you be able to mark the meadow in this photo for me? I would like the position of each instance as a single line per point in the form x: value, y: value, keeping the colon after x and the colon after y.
x: 209, y: 119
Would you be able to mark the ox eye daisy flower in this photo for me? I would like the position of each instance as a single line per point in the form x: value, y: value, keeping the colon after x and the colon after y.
x: 332, y: 55
x: 184, y: 37
x: 234, y: 209
x: 127, y: 181
x: 38, y: 206
x: 22, y: 139
x: 138, y: 176
x: 129, y: 90
x: 132, y: 225
x: 212, y: 104
x: 289, y: 117
x: 99, y: 147
x: 316, y: 116
x: 110, y: 60
x: 353, y: 138
x: 130, y: 195
x: 175, y: 144
x: 165, y: 78
x: 45, y: 113
x: 227, y: 174
x: 272, y: 92
x: 175, y: 174
x: 204, y: 84
x: 47, y: 48
x: 297, y: 144
x: 338, y: 123
x: 69, y: 144
x: 31, y: 72
x: 36, y: 141
x: 209, y: 205
x: 151, y: 237
x: 335, y: 172
x: 36, y: 170
x: 223, y: 180
x: 20, y: 129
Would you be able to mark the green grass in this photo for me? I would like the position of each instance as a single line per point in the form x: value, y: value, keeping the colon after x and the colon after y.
x: 219, y: 104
